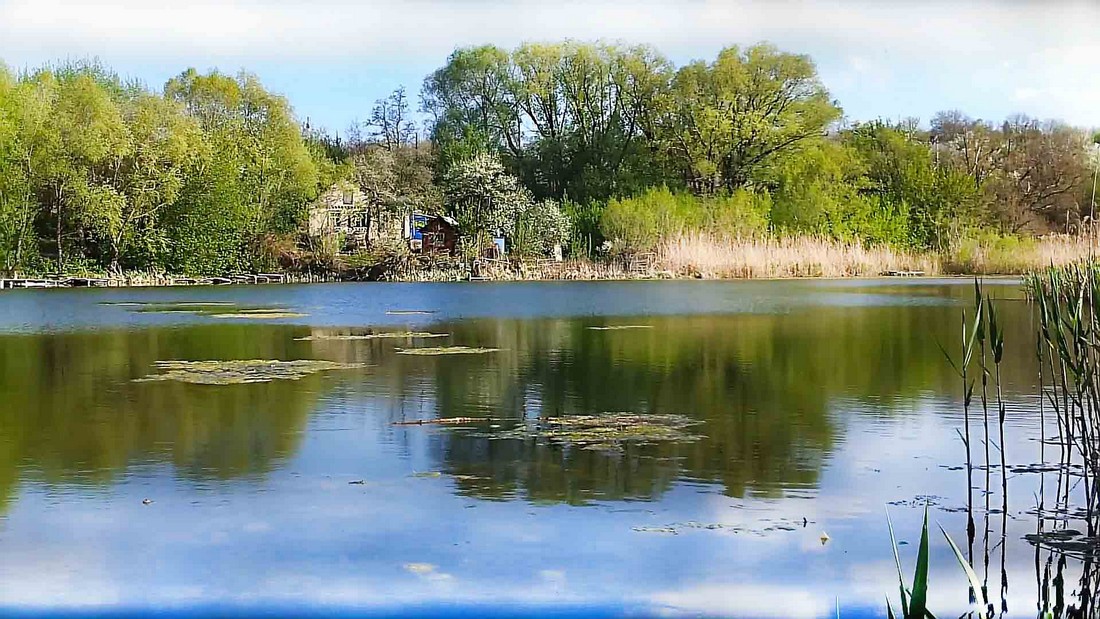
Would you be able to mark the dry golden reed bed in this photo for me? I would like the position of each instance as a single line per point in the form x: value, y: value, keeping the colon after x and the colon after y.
x: 701, y: 255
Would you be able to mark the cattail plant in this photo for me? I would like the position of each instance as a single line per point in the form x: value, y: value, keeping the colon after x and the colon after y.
x: 1069, y: 324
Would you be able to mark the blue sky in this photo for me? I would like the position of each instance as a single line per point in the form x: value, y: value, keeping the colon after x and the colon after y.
x: 333, y: 58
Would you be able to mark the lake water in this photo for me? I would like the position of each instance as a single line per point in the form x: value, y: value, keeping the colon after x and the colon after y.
x: 818, y: 403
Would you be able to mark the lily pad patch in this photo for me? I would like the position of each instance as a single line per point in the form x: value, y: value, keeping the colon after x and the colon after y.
x: 607, y: 431
x: 445, y: 350
x: 235, y: 372
x: 372, y: 336
x: 262, y: 314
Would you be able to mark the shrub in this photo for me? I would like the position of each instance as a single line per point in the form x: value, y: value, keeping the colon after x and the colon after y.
x: 642, y: 222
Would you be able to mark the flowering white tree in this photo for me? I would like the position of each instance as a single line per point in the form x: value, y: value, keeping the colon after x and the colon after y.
x: 487, y: 201
x: 483, y: 197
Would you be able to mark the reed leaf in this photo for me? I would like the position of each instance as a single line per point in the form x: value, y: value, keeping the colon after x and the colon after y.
x: 975, y: 583
x: 918, y: 598
x: 897, y: 563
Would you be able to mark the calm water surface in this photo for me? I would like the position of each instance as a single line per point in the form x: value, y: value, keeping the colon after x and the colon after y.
x: 820, y: 403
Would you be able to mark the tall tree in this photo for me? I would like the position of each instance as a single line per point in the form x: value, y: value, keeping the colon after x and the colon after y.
x: 569, y: 118
x: 391, y: 122
x: 939, y: 203
x: 261, y: 176
x: 723, y: 122
x: 1044, y: 166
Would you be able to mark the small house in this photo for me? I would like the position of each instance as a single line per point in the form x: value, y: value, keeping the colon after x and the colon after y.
x: 340, y: 210
x: 431, y: 234
x: 344, y: 210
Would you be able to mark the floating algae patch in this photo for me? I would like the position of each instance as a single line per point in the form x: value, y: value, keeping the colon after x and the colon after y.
x: 608, y: 431
x: 169, y: 307
x: 262, y: 314
x: 619, y: 327
x: 443, y: 421
x: 237, y: 372
x: 167, y: 303
x: 410, y: 312
x: 1069, y: 541
x: 372, y: 336
x: 445, y: 350
x: 763, y: 527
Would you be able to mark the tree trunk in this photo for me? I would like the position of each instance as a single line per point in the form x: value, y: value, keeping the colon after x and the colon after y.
x: 60, y: 251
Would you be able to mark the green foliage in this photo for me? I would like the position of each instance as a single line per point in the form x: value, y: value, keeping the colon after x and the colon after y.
x: 721, y: 123
x: 585, y: 234
x: 568, y: 118
x: 640, y: 223
x: 102, y: 174
x: 939, y: 202
x: 914, y: 600
x: 820, y: 189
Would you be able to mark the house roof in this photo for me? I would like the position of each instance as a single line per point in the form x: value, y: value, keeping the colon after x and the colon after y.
x: 447, y: 218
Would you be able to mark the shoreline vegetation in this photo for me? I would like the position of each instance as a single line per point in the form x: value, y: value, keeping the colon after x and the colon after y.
x: 688, y: 256
x: 612, y: 157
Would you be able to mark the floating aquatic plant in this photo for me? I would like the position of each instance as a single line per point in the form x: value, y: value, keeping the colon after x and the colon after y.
x: 373, y: 336
x: 445, y: 350
x: 608, y: 431
x: 234, y: 372
x: 1068, y: 541
x: 167, y: 304
x: 765, y: 527
x: 445, y: 421
x: 618, y: 327
x: 262, y: 314
x: 190, y: 307
x: 409, y: 312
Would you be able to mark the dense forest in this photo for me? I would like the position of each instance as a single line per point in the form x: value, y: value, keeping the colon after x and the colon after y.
x: 605, y: 148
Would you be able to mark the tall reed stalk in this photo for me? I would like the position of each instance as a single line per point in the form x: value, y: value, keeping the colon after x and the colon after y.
x: 1069, y: 351
x: 1069, y: 324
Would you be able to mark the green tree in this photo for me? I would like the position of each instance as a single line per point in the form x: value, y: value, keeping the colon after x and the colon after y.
x: 569, y: 118
x: 724, y: 122
x: 167, y: 147
x: 260, y: 178
x: 939, y: 202
x: 18, y: 208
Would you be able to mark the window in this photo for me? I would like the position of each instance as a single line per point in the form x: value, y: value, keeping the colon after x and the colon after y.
x: 349, y: 197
